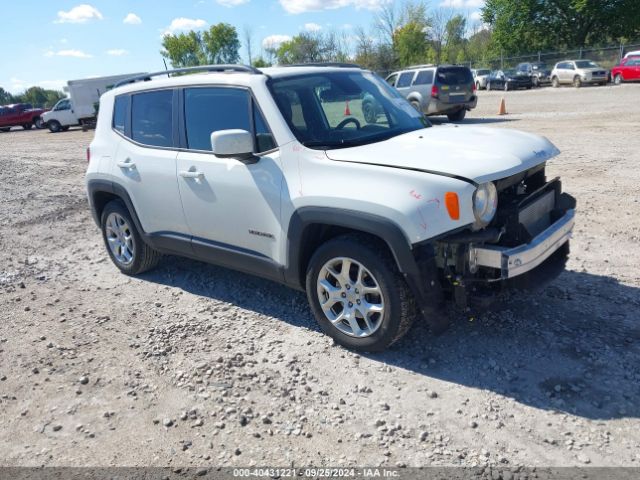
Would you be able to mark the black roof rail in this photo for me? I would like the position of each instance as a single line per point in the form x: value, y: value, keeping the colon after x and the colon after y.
x: 323, y: 64
x: 202, y: 68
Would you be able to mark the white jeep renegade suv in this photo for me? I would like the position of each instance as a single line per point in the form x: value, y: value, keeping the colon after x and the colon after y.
x: 277, y: 173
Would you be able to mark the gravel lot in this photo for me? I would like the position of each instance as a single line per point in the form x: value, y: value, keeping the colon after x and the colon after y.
x: 197, y: 365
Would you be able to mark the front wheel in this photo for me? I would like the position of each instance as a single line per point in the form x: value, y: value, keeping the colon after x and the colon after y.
x: 369, y: 111
x: 536, y: 82
x: 27, y: 126
x: 125, y: 246
x: 54, y: 126
x: 617, y: 79
x: 457, y: 116
x: 506, y: 86
x: 357, y: 294
x: 555, y: 82
x: 577, y: 82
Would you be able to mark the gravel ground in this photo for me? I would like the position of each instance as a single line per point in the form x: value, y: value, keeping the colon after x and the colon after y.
x: 197, y: 365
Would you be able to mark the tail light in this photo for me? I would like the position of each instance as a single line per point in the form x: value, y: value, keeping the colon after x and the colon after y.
x: 88, y: 154
x: 434, y: 91
x: 473, y: 88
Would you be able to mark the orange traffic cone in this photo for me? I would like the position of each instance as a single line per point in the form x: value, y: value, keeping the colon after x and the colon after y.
x: 347, y: 112
x: 503, y: 107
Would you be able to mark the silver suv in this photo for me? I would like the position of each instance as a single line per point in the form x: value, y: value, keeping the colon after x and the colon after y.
x: 437, y: 90
x: 578, y: 72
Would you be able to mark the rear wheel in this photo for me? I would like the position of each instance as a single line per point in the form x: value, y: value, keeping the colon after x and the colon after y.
x: 618, y: 79
x: 27, y: 126
x: 577, y: 82
x: 54, y: 126
x: 125, y: 246
x: 415, y: 104
x: 457, y: 116
x: 357, y: 294
x: 39, y: 123
x: 5, y: 129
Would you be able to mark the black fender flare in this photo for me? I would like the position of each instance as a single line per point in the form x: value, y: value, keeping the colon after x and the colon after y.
x: 418, y: 267
x: 95, y: 187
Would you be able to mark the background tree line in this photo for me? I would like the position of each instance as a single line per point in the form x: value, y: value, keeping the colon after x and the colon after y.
x: 409, y: 32
x: 36, y: 96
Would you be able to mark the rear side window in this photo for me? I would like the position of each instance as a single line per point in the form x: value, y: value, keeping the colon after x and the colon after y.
x: 424, y: 77
x: 392, y: 80
x: 405, y: 79
x: 152, y: 118
x: 454, y: 76
x: 120, y: 113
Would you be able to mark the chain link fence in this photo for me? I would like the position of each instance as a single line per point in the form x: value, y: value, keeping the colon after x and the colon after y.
x: 607, y: 57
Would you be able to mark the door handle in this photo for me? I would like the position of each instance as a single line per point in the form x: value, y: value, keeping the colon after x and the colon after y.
x: 191, y: 174
x: 127, y: 164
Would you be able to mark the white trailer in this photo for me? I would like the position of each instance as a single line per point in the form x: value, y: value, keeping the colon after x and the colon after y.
x: 81, y: 106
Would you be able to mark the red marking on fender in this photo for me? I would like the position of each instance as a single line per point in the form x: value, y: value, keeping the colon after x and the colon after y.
x: 434, y: 200
x: 423, y: 224
x: 415, y: 195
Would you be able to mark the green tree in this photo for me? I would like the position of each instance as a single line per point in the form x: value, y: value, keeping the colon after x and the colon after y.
x: 5, y: 97
x: 455, y: 38
x: 525, y: 25
x: 260, y: 62
x: 411, y: 44
x: 303, y: 48
x: 219, y: 44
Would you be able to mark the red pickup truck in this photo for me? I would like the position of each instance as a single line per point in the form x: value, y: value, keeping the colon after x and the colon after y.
x: 20, y: 115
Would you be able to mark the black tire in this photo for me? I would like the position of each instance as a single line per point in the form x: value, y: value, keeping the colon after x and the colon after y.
x: 38, y: 122
x: 577, y: 83
x: 416, y: 105
x: 144, y: 257
x: 54, y: 126
x: 399, y: 310
x: 27, y: 126
x: 535, y: 81
x: 555, y: 83
x: 5, y: 129
x: 369, y: 112
x: 457, y: 116
x: 65, y: 128
x: 618, y: 79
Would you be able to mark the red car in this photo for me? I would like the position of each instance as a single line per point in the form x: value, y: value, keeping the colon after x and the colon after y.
x: 20, y: 115
x: 628, y: 70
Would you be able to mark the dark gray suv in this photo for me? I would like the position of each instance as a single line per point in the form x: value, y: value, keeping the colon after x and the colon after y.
x: 437, y: 90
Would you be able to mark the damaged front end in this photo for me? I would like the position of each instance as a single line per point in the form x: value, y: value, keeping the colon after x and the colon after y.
x: 525, y: 245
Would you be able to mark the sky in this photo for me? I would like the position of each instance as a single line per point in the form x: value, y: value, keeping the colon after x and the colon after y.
x: 47, y: 43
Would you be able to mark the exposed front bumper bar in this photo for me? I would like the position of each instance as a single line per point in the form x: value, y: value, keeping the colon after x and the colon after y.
x: 514, y: 261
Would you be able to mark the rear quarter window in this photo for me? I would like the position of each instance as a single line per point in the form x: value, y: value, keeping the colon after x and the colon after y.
x: 424, y: 77
x: 152, y: 118
x: 120, y: 113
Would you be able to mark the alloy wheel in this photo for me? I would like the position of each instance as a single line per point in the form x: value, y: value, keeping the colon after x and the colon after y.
x: 350, y: 297
x: 120, y: 238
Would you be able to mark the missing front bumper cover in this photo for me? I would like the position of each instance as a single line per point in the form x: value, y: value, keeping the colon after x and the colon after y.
x: 514, y: 261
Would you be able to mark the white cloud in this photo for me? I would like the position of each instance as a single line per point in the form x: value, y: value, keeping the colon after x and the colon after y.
x: 67, y: 53
x: 274, y: 41
x: 462, y: 3
x: 17, y: 85
x: 182, y: 24
x: 476, y: 16
x: 301, y: 6
x: 80, y: 14
x: 132, y: 19
x: 117, y: 52
x: 312, y: 27
x: 231, y: 3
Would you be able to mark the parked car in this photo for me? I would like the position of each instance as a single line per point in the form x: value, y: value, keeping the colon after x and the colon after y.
x: 480, y: 76
x: 377, y: 222
x: 437, y: 90
x: 80, y: 107
x: 20, y: 115
x: 627, y: 71
x: 578, y: 73
x: 508, y: 79
x: 538, y: 71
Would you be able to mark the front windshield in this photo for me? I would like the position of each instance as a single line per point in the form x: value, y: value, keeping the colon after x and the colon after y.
x: 482, y: 72
x: 328, y: 110
x: 586, y: 64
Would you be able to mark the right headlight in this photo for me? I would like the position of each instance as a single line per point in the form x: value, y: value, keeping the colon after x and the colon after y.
x: 485, y: 204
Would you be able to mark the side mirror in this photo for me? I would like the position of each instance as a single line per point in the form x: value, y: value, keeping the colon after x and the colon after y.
x: 233, y: 144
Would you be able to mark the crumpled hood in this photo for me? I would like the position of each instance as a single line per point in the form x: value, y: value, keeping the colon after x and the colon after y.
x: 480, y: 154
